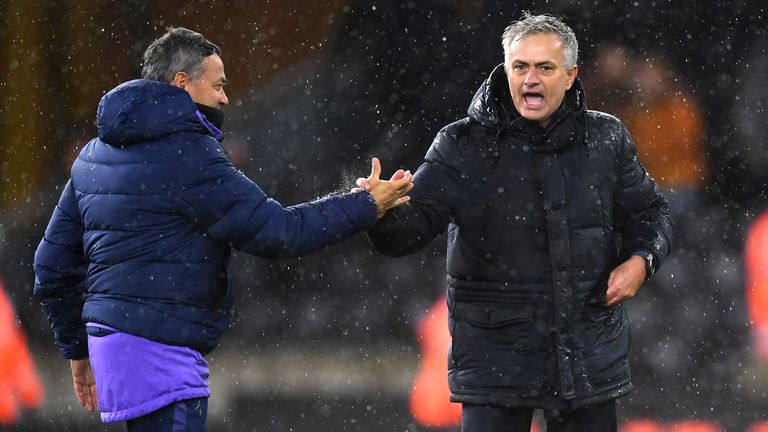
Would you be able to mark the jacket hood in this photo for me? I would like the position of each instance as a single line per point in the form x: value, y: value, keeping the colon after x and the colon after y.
x: 492, y: 104
x: 143, y: 110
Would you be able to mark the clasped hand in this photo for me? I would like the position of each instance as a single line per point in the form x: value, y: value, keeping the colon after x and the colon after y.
x: 388, y: 194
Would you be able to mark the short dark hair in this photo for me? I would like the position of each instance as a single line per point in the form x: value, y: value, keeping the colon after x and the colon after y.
x: 178, y: 50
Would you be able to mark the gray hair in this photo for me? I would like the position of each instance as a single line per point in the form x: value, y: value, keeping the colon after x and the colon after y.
x: 538, y: 24
x: 178, y: 50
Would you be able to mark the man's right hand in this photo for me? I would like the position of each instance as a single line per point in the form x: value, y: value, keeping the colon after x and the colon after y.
x: 388, y: 194
x: 85, y: 384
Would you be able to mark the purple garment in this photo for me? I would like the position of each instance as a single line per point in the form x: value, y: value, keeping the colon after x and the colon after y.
x: 136, y: 376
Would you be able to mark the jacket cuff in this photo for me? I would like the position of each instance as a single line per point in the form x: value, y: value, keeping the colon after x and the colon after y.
x: 651, y: 264
x: 77, y: 347
x: 373, y: 208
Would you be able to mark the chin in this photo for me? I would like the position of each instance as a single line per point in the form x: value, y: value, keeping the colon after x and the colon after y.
x: 536, y: 117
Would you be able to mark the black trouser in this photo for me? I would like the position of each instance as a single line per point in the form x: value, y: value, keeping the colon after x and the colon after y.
x: 594, y: 418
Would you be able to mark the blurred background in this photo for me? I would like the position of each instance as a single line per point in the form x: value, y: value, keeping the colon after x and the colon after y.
x: 335, y: 340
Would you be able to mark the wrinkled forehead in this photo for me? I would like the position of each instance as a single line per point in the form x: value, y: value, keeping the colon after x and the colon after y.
x: 536, y: 47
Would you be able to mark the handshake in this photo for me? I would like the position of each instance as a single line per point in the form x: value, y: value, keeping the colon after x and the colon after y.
x: 387, y: 194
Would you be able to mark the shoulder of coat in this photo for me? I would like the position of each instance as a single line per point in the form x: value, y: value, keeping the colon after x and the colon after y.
x: 605, y: 129
x: 602, y: 117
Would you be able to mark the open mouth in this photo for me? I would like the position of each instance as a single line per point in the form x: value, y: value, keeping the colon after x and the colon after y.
x: 533, y: 100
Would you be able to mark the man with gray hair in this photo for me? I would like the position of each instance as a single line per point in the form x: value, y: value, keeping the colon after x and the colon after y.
x: 552, y: 224
x: 133, y: 269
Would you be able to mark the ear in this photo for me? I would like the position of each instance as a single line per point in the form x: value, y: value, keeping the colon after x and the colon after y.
x: 180, y: 80
x: 571, y: 76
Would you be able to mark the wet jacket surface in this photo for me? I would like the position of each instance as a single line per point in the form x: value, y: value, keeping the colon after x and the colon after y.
x: 537, y: 219
x: 141, y: 237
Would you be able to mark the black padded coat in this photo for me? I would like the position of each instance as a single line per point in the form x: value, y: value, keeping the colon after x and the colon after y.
x: 537, y: 219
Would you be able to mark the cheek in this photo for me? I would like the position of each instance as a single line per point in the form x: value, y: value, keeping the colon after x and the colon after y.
x: 195, y: 93
x: 209, y: 97
x: 514, y: 85
x: 559, y: 86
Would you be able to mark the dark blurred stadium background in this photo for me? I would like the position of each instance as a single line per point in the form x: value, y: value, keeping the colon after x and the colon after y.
x: 326, y: 342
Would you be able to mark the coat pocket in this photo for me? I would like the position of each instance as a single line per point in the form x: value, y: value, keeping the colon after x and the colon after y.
x: 492, y: 315
x: 606, y: 341
x: 495, y: 345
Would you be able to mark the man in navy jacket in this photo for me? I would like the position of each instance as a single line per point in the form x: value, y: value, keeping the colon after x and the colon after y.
x: 133, y: 269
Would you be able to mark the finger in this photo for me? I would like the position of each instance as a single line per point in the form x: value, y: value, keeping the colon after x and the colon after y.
x: 400, y: 201
x: 363, y: 184
x: 610, y: 297
x: 375, y: 169
x: 397, y: 175
x: 403, y: 189
x: 79, y: 394
x: 94, y: 398
x: 84, y: 396
x: 88, y: 402
x: 608, y: 301
x: 409, y: 185
x: 401, y: 182
x: 614, y: 301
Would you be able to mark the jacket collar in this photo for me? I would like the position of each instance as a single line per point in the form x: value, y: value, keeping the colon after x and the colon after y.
x: 144, y: 110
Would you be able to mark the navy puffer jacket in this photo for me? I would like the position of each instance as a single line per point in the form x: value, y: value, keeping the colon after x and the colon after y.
x: 140, y: 239
x: 537, y: 219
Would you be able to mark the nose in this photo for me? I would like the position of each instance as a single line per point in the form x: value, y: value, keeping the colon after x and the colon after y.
x: 223, y: 99
x: 532, y: 78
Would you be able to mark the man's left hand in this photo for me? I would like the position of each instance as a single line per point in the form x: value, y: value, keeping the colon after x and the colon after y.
x: 85, y: 385
x: 625, y: 280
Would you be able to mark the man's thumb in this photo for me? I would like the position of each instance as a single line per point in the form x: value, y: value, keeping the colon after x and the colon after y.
x: 375, y: 169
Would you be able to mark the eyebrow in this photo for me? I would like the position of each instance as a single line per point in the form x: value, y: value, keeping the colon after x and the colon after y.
x: 543, y: 63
